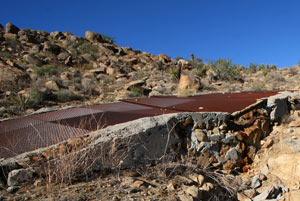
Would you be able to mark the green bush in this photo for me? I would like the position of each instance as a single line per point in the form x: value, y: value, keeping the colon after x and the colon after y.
x: 252, y: 68
x: 5, y: 54
x: 136, y: 91
x: 19, y: 101
x: 66, y: 95
x: 83, y: 46
x: 48, y: 70
x: 198, y: 64
x: 12, y: 42
x: 108, y: 39
x: 265, y: 72
x: 273, y: 67
x: 225, y: 69
x: 36, y: 97
x: 173, y: 71
x: 261, y: 67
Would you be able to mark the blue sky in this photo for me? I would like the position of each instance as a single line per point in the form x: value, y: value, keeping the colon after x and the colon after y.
x: 259, y: 31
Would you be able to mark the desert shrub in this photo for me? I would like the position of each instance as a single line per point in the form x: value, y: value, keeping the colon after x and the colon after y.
x: 36, y: 97
x: 273, y: 67
x: 66, y: 95
x: 12, y: 42
x: 174, y: 71
x: 277, y: 78
x: 265, y: 72
x: 84, y: 46
x: 39, y: 55
x: 252, y: 68
x: 108, y: 39
x: 225, y: 69
x: 19, y: 101
x: 258, y: 87
x: 261, y: 67
x: 192, y: 57
x: 5, y: 54
x: 292, y: 71
x: 48, y: 70
x: 199, y: 65
x: 136, y: 91
x: 108, y: 80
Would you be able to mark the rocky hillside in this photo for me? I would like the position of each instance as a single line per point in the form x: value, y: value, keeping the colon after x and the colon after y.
x: 40, y: 69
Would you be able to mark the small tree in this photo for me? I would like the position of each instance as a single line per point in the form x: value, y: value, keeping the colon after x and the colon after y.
x: 261, y: 67
x: 192, y: 57
x: 252, y: 68
x: 273, y: 67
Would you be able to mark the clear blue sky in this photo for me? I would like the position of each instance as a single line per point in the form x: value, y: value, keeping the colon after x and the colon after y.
x: 259, y: 31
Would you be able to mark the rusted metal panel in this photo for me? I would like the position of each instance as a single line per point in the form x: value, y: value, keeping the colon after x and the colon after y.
x: 229, y: 102
x: 33, y: 137
x: 64, y: 114
x: 18, y: 123
x: 40, y: 130
x: 119, y: 106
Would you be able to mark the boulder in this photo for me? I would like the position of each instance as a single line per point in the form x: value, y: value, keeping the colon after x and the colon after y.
x: 31, y: 59
x: 184, y: 197
x: 27, y: 35
x: 63, y: 56
x: 164, y: 58
x: 277, y: 192
x: 98, y: 70
x: 66, y: 75
x: 11, y: 78
x: 51, y: 48
x: 93, y: 36
x: 192, y: 191
x: 256, y: 182
x: 232, y: 155
x: 294, y: 124
x: 279, y: 106
x: 110, y: 70
x: 36, y: 48
x: 201, y: 135
x: 68, y: 61
x: 52, y: 85
x: 57, y: 35
x: 188, y: 82
x: 10, y: 28
x: 212, y: 75
x: 134, y: 84
x: 88, y: 57
x: 286, y: 167
x: 87, y: 83
x: 19, y: 177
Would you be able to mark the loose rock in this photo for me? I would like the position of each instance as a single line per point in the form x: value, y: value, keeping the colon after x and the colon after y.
x: 19, y: 177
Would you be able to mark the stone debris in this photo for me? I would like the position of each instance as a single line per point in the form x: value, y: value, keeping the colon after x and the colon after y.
x: 19, y: 177
x: 256, y: 181
x: 274, y: 193
x: 294, y: 124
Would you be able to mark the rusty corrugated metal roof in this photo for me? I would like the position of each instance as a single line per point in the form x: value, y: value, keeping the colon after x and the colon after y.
x: 40, y: 130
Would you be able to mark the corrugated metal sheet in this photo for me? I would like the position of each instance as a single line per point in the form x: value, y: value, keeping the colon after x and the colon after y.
x: 40, y: 130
